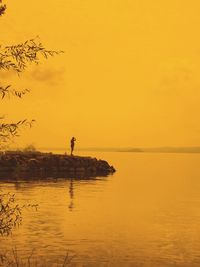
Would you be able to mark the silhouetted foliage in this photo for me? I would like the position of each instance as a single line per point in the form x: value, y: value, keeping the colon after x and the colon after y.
x: 17, y: 58
x: 2, y: 8
x: 30, y: 148
x: 10, y: 213
x: 8, y: 91
x: 10, y: 130
x: 13, y: 259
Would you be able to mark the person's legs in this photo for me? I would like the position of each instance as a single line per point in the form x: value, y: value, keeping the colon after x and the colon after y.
x: 72, y: 149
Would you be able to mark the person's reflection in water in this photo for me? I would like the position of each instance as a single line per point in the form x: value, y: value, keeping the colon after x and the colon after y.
x: 22, y: 186
x: 17, y: 185
x: 71, y: 195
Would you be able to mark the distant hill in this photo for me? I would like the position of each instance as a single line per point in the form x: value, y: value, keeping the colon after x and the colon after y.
x: 152, y: 149
x: 173, y: 149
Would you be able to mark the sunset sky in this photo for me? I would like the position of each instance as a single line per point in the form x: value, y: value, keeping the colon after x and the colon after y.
x: 129, y: 77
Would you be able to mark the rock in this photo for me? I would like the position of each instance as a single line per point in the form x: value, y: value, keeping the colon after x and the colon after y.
x: 80, y: 169
x: 51, y: 165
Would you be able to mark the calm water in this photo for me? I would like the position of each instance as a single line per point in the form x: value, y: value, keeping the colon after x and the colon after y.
x: 147, y: 214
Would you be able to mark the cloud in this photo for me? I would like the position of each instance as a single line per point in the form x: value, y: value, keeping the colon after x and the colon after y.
x: 177, y: 81
x: 47, y: 75
x: 176, y: 76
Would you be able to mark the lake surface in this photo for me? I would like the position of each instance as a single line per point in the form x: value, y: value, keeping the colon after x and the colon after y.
x: 146, y: 214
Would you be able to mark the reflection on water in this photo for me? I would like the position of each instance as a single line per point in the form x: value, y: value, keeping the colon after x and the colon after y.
x: 146, y: 214
x: 71, y: 194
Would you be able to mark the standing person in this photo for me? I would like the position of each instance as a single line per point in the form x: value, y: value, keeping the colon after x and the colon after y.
x: 72, y: 144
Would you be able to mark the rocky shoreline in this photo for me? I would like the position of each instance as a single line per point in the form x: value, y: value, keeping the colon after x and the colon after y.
x: 48, y: 165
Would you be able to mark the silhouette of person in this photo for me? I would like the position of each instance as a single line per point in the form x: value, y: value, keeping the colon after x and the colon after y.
x: 72, y: 144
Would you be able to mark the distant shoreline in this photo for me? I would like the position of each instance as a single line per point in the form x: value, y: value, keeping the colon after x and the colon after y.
x: 193, y: 150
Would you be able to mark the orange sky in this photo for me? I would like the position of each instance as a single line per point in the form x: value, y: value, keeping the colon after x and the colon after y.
x: 129, y: 75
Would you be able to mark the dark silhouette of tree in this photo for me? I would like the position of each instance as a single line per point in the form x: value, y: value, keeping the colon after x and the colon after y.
x: 17, y: 58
